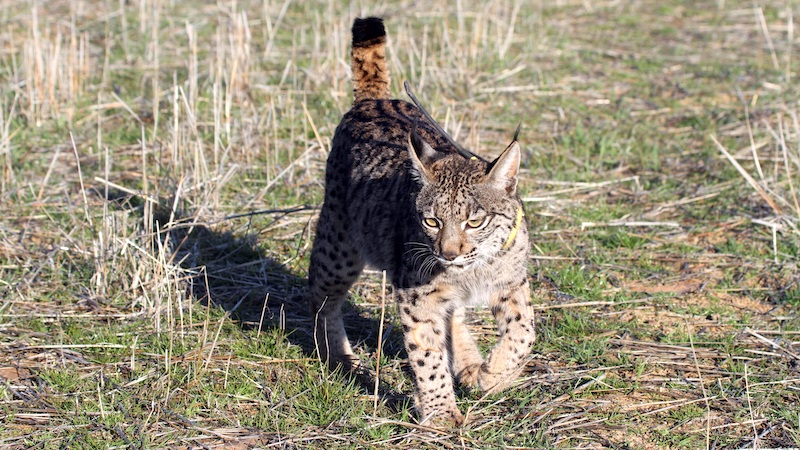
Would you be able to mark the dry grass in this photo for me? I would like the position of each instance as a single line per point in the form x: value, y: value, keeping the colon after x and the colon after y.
x: 161, y: 164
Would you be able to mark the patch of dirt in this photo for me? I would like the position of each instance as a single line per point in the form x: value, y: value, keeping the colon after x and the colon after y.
x: 14, y: 374
x: 694, y: 292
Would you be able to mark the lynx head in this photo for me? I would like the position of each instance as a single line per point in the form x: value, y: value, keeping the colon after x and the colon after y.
x: 468, y: 208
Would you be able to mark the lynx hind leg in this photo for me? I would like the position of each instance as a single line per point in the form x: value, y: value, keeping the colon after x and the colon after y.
x: 514, y: 316
x: 335, y: 266
x: 467, y: 359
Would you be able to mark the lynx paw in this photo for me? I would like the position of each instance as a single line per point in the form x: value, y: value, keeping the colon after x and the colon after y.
x: 437, y: 412
x: 445, y: 420
x: 348, y: 363
x: 492, y: 383
x: 469, y: 376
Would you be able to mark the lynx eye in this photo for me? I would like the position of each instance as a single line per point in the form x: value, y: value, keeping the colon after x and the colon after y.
x: 431, y: 222
x: 479, y: 222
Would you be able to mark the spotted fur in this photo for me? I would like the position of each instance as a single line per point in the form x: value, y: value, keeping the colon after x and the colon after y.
x: 448, y: 230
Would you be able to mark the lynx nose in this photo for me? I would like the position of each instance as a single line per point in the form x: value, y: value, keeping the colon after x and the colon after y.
x: 450, y: 244
x: 449, y: 254
x: 450, y: 250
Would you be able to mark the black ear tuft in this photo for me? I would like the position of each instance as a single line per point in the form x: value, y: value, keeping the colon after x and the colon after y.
x: 513, y: 140
x: 365, y: 30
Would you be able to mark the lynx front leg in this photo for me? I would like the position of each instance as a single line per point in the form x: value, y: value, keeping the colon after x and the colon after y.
x: 467, y: 359
x: 514, y: 316
x: 425, y: 334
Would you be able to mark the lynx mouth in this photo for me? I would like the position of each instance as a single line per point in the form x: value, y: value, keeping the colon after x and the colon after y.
x: 459, y: 262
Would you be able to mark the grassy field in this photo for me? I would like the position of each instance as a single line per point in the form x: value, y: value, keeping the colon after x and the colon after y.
x: 161, y: 166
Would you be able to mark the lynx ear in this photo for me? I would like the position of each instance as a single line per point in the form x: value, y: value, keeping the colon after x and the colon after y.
x: 422, y: 155
x: 503, y: 170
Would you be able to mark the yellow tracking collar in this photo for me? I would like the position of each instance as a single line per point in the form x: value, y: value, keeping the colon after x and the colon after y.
x: 513, y: 234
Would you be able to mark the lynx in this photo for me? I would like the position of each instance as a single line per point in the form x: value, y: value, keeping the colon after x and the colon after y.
x: 447, y: 227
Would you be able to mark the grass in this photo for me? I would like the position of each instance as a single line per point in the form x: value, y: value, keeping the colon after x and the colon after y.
x: 161, y: 165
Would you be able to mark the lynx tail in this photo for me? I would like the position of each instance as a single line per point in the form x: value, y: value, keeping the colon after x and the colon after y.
x: 370, y: 72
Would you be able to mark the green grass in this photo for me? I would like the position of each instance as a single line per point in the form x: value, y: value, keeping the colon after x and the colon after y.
x: 155, y: 298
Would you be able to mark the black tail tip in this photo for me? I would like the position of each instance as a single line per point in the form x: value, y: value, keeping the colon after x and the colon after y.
x: 367, y: 29
x: 516, y: 133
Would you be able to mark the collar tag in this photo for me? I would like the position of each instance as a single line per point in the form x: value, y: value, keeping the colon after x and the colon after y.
x: 513, y: 234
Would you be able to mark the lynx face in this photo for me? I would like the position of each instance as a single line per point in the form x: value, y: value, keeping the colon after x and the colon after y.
x: 464, y: 207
